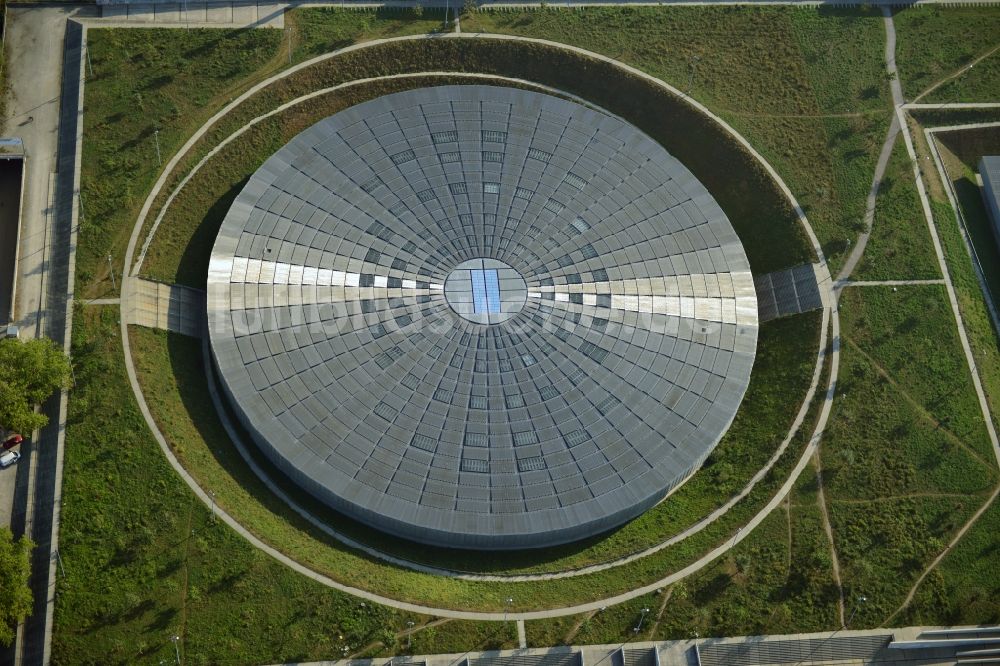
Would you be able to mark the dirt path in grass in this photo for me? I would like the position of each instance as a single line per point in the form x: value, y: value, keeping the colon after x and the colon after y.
x: 788, y: 520
x: 409, y: 631
x: 659, y: 614
x: 575, y: 629
x: 188, y: 538
x: 952, y: 437
x: 954, y: 75
x: 937, y: 560
x: 754, y: 114
x: 828, y: 529
x: 890, y: 498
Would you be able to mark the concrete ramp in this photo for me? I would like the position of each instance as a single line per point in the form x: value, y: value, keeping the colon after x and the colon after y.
x: 787, y: 292
x: 169, y: 307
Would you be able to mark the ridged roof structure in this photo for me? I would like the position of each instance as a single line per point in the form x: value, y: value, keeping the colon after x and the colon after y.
x: 481, y: 317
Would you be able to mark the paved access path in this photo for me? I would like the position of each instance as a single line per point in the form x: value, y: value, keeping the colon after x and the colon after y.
x: 43, y: 44
x: 884, y: 283
x: 34, y: 61
x: 949, y: 286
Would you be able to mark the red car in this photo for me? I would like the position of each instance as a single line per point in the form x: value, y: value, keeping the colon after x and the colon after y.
x: 11, y: 442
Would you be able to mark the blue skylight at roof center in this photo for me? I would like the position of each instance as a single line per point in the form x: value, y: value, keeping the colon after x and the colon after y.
x: 485, y: 290
x: 492, y: 290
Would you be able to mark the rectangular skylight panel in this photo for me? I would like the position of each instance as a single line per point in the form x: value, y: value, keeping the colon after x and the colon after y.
x: 492, y: 290
x: 479, y: 291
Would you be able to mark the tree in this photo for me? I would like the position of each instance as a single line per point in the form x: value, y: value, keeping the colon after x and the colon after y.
x: 15, y: 595
x: 30, y: 372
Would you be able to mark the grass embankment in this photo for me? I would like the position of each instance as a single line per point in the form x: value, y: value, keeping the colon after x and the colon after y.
x: 180, y: 252
x: 983, y: 338
x: 906, y: 458
x: 171, y: 371
x: 900, y: 246
x: 978, y: 325
x: 154, y: 85
x: 758, y: 210
x: 141, y: 93
x: 144, y: 560
x: 934, y: 43
x: 779, y: 579
x: 961, y: 152
x: 806, y: 87
x: 183, y: 243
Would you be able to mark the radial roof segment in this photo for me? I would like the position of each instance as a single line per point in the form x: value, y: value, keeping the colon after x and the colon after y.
x: 481, y: 317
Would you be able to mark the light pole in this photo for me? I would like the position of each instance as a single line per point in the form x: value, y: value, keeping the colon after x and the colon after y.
x: 212, y: 495
x: 177, y: 652
x: 506, y: 607
x: 409, y: 633
x: 156, y: 140
x: 862, y: 599
x: 111, y: 268
x: 736, y: 536
x: 642, y: 616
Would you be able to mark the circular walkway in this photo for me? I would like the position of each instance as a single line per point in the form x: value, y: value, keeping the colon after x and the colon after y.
x: 830, y: 321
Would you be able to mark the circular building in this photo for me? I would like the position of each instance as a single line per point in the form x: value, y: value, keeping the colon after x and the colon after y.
x: 480, y: 317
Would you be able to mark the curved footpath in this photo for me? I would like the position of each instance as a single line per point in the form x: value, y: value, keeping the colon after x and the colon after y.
x: 830, y: 322
x: 402, y: 562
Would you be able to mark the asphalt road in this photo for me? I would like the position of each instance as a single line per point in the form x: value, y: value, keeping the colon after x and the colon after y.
x: 34, y: 39
x: 38, y: 56
x: 10, y: 197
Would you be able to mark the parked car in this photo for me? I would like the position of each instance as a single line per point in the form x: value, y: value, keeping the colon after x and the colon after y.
x: 9, y: 458
x: 11, y: 442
